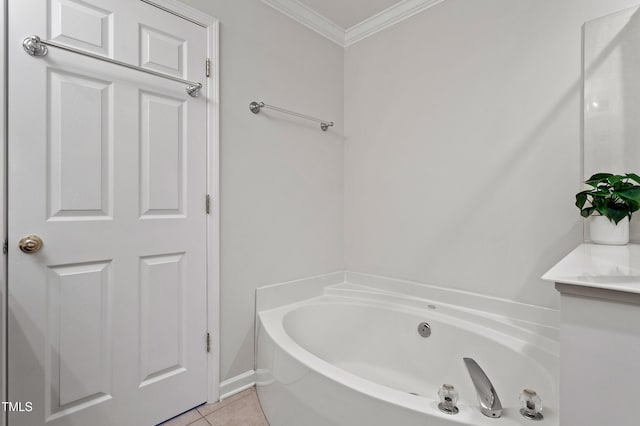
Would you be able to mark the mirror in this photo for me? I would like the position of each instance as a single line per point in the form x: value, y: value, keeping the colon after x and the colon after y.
x: 611, y: 61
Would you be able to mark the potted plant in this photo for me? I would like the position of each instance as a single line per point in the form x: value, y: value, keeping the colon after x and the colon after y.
x: 610, y: 202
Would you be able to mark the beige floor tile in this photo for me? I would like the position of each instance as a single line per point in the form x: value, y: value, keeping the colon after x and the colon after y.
x: 201, y: 422
x: 186, y: 419
x: 207, y: 409
x: 242, y: 412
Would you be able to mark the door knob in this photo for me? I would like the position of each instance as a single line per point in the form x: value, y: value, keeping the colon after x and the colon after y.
x: 30, y: 244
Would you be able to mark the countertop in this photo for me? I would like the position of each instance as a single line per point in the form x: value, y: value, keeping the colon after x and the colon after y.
x: 600, y: 266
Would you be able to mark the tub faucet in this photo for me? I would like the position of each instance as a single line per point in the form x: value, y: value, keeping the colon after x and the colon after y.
x: 490, y: 404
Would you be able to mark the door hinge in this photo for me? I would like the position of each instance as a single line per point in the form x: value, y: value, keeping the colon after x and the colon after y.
x: 5, y: 246
x: 208, y: 204
x: 207, y: 67
x: 208, y: 342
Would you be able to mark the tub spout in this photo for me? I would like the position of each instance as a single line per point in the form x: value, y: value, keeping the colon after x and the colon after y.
x: 487, y: 397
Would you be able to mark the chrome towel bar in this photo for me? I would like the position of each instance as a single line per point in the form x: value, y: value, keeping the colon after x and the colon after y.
x: 255, y: 108
x: 34, y: 46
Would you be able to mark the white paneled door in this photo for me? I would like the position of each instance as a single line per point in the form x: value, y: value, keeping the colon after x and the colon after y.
x: 107, y: 165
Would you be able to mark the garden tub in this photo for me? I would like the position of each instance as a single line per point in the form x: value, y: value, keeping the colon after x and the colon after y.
x: 335, y: 360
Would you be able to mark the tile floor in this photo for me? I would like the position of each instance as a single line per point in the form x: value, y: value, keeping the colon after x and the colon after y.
x: 242, y: 409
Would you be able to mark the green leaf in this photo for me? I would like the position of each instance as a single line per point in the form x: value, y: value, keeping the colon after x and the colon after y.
x: 600, y: 176
x: 587, y: 212
x: 597, y: 178
x: 581, y: 198
x: 634, y: 176
x: 629, y: 194
x: 613, y: 180
x: 614, y: 214
x: 623, y: 185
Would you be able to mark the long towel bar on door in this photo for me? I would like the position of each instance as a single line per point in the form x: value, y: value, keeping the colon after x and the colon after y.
x: 35, y: 46
x: 255, y: 108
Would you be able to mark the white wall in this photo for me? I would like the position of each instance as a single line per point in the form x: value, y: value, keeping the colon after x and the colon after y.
x: 462, y: 151
x: 281, y: 177
x: 461, y: 159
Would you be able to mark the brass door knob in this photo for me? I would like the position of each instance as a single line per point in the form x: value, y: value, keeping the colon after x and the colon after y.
x: 30, y: 244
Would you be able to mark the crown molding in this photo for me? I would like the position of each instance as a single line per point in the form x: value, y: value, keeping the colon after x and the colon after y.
x: 313, y: 20
x: 385, y: 19
x: 309, y: 18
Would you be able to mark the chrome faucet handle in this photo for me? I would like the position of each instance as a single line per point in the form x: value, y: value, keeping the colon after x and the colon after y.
x: 490, y: 404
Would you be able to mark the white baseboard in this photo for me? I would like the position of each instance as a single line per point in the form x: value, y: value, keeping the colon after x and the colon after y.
x: 237, y: 384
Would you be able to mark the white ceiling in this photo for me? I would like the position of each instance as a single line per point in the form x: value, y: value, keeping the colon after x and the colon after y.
x: 347, y: 13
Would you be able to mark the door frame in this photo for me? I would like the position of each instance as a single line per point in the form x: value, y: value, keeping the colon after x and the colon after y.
x: 211, y: 24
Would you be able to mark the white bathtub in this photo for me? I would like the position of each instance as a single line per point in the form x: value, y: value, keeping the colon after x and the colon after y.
x: 334, y: 360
